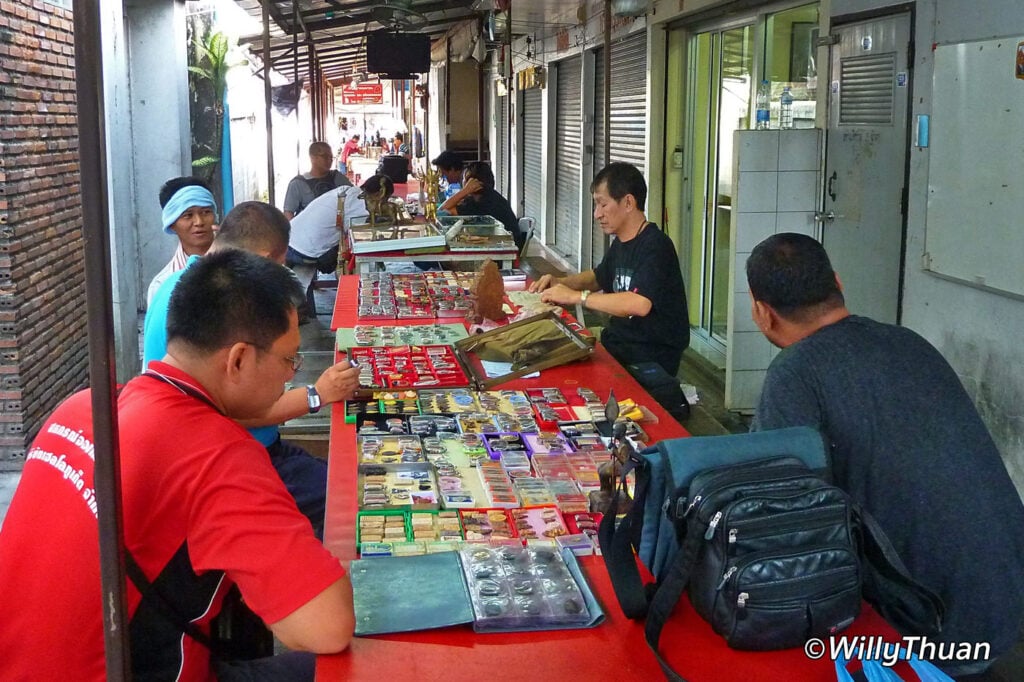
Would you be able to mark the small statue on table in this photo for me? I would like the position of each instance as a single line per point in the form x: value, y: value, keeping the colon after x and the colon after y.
x: 380, y: 209
x: 431, y: 182
x: 487, y: 294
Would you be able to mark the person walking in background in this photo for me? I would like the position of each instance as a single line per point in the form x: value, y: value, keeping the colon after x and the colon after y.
x: 321, y: 178
x: 350, y: 148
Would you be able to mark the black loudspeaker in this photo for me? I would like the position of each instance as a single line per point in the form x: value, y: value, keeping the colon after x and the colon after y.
x: 395, y: 166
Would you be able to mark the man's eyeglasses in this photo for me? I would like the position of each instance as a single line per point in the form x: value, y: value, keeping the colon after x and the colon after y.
x: 294, y: 360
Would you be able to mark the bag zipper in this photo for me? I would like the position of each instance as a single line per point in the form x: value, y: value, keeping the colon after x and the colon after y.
x: 779, y: 491
x: 733, y: 473
x: 734, y: 572
x: 822, y: 516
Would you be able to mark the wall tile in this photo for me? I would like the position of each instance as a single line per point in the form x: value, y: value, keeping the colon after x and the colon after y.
x: 753, y: 228
x: 798, y: 150
x: 757, y: 192
x: 750, y: 350
x: 798, y: 190
x: 743, y: 389
x: 758, y: 150
x: 801, y: 222
x: 739, y: 274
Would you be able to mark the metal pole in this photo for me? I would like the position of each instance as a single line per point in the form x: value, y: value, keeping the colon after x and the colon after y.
x: 509, y: 100
x: 102, y: 367
x: 607, y: 82
x: 480, y: 121
x: 313, y: 104
x: 268, y: 101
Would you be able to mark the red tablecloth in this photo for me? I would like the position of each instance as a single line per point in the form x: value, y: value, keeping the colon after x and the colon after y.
x: 613, y: 650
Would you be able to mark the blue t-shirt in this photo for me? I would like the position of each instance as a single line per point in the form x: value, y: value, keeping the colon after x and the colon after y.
x: 154, y: 338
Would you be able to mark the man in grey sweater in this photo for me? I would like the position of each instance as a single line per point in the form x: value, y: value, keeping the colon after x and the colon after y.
x: 906, y: 442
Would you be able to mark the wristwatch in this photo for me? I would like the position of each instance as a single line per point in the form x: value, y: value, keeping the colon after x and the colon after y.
x: 312, y: 398
x: 583, y: 297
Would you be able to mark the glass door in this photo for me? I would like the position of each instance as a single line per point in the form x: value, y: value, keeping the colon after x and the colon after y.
x: 720, y: 93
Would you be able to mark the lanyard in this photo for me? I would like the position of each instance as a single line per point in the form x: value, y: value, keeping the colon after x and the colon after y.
x: 184, y: 387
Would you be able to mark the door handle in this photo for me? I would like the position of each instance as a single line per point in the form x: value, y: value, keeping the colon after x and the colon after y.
x: 820, y: 217
x: 831, y: 186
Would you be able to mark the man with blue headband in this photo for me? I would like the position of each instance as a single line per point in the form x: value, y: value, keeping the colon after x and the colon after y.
x: 190, y: 212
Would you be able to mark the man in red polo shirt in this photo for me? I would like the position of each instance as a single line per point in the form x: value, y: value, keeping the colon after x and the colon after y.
x: 203, y: 507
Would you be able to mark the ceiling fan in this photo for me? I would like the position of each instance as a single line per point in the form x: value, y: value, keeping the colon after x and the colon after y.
x: 397, y: 15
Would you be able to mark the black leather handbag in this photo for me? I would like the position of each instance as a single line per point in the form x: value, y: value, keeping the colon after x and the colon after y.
x: 771, y: 553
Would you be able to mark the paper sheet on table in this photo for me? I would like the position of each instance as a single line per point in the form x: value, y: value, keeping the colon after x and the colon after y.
x: 499, y: 369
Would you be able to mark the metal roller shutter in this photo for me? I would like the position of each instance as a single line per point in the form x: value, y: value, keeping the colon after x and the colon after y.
x: 501, y: 154
x: 628, y: 113
x: 532, y: 154
x: 568, y: 157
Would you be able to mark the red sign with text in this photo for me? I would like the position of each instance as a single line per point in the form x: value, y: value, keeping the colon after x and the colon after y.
x: 363, y: 93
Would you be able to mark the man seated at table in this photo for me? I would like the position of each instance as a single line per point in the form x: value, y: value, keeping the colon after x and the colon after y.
x: 261, y: 229
x: 314, y: 242
x: 401, y: 148
x: 478, y: 197
x: 907, y: 442
x: 450, y: 166
x: 638, y: 282
x: 320, y: 179
x: 188, y: 211
x: 202, y: 506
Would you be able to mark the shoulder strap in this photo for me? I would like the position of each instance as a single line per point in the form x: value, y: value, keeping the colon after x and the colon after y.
x: 667, y: 596
x: 909, y: 606
x: 616, y: 542
x: 162, y: 604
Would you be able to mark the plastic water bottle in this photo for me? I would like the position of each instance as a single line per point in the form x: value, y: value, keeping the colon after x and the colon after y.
x: 786, y: 109
x: 763, y: 113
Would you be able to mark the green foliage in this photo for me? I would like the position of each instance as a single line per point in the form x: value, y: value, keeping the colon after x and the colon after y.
x: 209, y: 62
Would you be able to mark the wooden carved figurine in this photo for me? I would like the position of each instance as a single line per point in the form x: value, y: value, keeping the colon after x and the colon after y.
x: 609, y: 473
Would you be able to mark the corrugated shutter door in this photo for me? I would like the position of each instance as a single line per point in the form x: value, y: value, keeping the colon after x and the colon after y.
x: 598, y: 239
x: 532, y: 148
x: 628, y: 113
x: 501, y: 154
x: 568, y: 157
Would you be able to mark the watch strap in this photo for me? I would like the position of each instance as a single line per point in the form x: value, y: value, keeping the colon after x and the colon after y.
x: 313, y: 399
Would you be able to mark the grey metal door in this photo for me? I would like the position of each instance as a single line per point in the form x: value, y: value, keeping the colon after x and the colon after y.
x: 628, y: 112
x: 568, y: 156
x: 865, y: 168
x: 532, y: 185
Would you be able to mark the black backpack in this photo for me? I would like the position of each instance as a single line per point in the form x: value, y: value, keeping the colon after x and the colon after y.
x: 325, y: 184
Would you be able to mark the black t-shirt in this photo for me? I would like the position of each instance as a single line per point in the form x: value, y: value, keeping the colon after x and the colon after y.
x: 490, y: 202
x: 646, y: 265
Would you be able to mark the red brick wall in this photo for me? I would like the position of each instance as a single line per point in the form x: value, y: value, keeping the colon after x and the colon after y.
x: 43, y: 342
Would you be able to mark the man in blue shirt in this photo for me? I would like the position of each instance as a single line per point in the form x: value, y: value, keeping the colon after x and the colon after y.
x: 263, y: 230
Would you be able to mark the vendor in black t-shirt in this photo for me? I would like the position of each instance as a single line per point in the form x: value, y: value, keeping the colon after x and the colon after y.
x: 478, y: 197
x: 638, y: 283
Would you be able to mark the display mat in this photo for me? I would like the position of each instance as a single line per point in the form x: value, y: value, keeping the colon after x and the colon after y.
x: 427, y: 591
x: 403, y: 594
x: 405, y: 335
